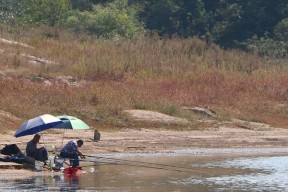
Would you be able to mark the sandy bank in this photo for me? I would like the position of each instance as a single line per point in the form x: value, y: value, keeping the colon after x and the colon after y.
x: 147, y: 140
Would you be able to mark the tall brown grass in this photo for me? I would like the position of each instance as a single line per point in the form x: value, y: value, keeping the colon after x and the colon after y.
x: 149, y: 73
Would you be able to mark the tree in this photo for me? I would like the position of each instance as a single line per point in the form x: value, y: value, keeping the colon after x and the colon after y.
x: 281, y: 30
x: 82, y: 5
x: 116, y: 19
x: 244, y: 19
x: 50, y: 12
x: 10, y: 10
x: 193, y: 18
x: 161, y: 16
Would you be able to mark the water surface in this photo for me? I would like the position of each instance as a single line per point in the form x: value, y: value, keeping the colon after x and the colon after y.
x: 186, y: 172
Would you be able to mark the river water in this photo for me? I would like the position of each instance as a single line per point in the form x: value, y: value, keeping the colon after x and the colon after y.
x: 184, y: 170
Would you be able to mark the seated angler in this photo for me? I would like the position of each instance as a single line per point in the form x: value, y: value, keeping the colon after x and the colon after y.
x: 39, y: 154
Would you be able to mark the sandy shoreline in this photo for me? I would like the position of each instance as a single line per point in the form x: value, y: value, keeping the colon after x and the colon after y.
x: 218, y: 142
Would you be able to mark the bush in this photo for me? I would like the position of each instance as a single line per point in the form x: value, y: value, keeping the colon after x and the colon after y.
x: 268, y: 47
x: 113, y: 20
x: 281, y: 30
x: 48, y: 12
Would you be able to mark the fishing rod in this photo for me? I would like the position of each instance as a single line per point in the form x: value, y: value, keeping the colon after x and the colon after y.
x: 140, y: 165
x: 140, y: 162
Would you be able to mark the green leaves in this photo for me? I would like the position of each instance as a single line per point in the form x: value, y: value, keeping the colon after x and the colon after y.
x: 10, y: 10
x: 268, y: 47
x: 229, y: 23
x: 50, y: 12
x: 281, y: 30
x: 113, y: 20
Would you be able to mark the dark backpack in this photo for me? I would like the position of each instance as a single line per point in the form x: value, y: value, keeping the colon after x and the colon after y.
x: 10, y: 149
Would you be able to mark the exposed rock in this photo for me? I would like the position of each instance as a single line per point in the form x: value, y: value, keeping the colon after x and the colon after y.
x: 60, y: 80
x: 7, y: 115
x: 201, y: 111
x: 143, y: 115
x: 251, y: 125
x: 15, y: 43
x: 66, y: 79
x: 69, y: 80
x: 47, y: 82
x: 37, y: 61
x: 2, y: 74
x: 31, y: 59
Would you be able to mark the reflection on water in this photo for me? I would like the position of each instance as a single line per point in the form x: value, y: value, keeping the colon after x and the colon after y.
x: 206, y: 174
x: 272, y: 174
x: 40, y: 183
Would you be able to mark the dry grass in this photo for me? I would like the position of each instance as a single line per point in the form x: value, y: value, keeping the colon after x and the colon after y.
x: 151, y: 73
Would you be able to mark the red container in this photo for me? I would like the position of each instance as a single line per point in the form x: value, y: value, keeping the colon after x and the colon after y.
x: 72, y: 170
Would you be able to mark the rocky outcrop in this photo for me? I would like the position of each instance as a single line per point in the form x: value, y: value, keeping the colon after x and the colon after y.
x: 15, y: 43
x: 201, y: 111
x: 152, y: 116
x: 37, y: 61
x: 251, y: 125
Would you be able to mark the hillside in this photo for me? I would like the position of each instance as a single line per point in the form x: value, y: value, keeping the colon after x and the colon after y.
x: 97, y: 80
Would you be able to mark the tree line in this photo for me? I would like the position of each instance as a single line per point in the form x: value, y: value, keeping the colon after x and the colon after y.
x: 259, y: 26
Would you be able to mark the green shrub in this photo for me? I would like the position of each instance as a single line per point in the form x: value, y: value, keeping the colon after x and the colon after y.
x: 268, y: 47
x: 281, y: 30
x: 48, y: 12
x: 113, y: 20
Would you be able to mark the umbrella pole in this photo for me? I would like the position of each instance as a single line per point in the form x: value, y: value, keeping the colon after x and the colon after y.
x: 62, y: 137
x: 43, y: 140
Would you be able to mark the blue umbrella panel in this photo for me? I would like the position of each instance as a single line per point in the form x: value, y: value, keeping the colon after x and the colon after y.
x: 37, y: 124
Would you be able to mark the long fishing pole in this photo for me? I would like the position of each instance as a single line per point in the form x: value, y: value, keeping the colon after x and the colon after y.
x: 140, y: 162
x: 141, y: 165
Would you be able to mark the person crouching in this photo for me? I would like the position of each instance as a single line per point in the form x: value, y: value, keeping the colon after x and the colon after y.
x: 71, y: 150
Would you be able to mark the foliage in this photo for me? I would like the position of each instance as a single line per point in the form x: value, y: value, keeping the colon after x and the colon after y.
x: 48, y: 12
x: 82, y: 5
x: 193, y: 18
x: 229, y: 23
x: 112, y: 20
x: 162, y: 16
x: 268, y: 47
x: 281, y: 30
x: 9, y: 10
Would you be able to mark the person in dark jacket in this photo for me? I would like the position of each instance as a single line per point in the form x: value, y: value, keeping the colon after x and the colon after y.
x: 39, y: 154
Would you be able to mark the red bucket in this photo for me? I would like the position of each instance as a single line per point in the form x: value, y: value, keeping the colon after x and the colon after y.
x: 72, y: 170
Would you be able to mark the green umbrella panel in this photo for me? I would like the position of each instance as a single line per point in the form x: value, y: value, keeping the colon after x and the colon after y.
x: 70, y: 122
